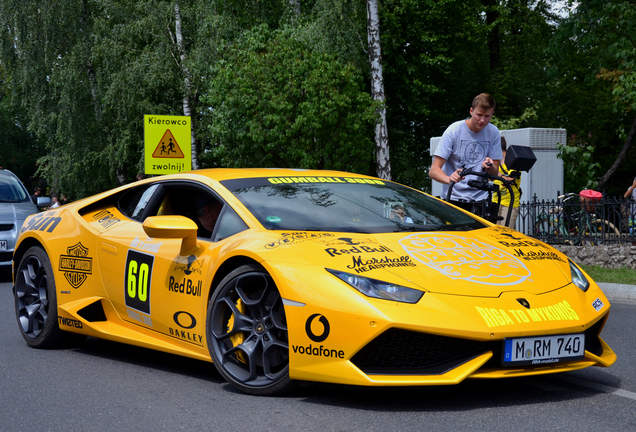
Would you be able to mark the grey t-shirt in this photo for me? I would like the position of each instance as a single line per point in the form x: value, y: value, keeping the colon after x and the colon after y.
x: 463, y: 148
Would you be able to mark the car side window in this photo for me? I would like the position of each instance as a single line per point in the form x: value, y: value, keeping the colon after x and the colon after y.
x: 134, y: 203
x: 229, y: 224
x: 192, y: 201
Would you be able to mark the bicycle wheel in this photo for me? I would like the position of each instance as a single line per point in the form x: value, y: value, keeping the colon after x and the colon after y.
x: 600, y: 231
x: 542, y: 227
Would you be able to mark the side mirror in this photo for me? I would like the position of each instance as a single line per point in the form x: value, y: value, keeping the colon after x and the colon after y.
x: 173, y: 227
x: 43, y: 202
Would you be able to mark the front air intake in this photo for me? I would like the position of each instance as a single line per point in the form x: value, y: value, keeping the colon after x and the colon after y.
x: 403, y: 352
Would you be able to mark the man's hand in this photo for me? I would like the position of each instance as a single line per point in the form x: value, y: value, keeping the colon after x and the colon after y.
x: 490, y: 166
x: 455, y: 177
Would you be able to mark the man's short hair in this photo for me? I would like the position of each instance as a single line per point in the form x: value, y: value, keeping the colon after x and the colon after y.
x: 484, y: 101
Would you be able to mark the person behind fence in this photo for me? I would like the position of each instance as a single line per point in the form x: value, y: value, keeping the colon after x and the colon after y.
x: 471, y: 143
x: 631, y: 195
x: 504, y: 203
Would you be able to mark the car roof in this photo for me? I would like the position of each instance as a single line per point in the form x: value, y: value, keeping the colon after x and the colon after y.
x: 220, y: 174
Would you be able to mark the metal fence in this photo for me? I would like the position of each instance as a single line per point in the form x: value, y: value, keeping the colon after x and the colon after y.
x: 574, y: 220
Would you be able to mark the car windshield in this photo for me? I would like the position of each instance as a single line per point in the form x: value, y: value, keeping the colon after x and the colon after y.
x: 345, y: 204
x: 12, y: 191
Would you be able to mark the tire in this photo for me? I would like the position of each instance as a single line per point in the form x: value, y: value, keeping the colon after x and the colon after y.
x: 247, y: 332
x: 36, y: 300
x: 601, y: 231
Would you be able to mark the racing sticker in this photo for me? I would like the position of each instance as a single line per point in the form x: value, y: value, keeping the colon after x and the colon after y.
x: 186, y: 322
x: 69, y: 322
x: 295, y: 237
x: 286, y: 180
x: 188, y: 265
x: 46, y: 221
x: 146, y: 245
x: 137, y: 280
x: 362, y: 265
x: 76, y: 265
x: 317, y: 336
x: 106, y: 219
x: 465, y: 259
x: 561, y: 311
x: 523, y: 247
x: 598, y: 304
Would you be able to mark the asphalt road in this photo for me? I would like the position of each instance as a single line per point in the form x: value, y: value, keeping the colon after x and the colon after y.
x: 104, y: 386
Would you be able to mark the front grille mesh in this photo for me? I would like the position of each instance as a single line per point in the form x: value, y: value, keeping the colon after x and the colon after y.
x: 6, y: 256
x: 402, y: 352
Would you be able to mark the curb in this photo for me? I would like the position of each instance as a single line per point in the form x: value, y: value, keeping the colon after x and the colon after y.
x: 618, y: 292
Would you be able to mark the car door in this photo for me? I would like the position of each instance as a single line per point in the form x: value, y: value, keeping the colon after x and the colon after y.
x: 152, y: 282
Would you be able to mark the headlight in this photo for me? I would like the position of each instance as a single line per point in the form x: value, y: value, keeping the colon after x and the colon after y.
x: 578, y: 278
x: 379, y: 289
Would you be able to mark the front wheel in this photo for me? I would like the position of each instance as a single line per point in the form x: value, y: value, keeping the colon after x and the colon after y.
x: 247, y: 332
x: 36, y: 301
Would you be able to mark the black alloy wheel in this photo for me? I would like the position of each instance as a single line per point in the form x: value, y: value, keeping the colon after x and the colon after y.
x: 36, y: 301
x: 247, y: 332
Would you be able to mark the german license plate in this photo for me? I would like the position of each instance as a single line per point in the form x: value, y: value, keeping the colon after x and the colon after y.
x: 3, y: 245
x: 540, y: 350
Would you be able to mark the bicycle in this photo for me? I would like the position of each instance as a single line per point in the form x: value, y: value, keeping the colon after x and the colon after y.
x: 574, y: 221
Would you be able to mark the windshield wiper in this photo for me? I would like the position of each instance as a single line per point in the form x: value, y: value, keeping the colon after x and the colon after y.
x: 411, y: 227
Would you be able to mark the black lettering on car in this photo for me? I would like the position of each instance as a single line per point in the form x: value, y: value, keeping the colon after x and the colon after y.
x: 310, y: 333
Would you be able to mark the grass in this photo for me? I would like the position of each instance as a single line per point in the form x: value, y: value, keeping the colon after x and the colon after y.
x: 620, y: 276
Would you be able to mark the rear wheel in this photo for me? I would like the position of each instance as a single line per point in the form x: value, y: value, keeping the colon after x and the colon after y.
x: 36, y: 301
x: 600, y: 231
x: 247, y: 332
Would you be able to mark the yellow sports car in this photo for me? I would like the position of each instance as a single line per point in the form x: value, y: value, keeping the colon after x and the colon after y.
x: 279, y: 276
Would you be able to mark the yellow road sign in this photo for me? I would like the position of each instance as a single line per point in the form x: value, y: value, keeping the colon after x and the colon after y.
x: 167, y: 144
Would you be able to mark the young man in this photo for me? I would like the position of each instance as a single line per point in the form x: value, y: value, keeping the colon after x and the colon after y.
x: 471, y: 143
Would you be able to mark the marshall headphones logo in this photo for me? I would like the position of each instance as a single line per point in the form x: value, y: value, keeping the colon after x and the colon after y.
x: 76, y: 265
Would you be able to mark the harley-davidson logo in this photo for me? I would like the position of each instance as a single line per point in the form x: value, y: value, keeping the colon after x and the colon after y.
x: 76, y: 265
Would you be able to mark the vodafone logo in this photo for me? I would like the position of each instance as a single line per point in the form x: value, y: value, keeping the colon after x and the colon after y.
x: 317, y: 337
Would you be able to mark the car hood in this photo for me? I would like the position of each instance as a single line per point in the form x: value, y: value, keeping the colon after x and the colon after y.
x: 18, y: 212
x: 482, y: 263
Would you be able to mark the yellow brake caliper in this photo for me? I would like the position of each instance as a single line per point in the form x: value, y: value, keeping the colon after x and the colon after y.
x: 237, y: 338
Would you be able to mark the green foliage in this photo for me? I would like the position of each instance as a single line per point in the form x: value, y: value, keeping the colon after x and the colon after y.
x: 528, y: 115
x: 19, y: 149
x: 592, y: 56
x: 78, y: 76
x: 277, y: 103
x: 579, y: 166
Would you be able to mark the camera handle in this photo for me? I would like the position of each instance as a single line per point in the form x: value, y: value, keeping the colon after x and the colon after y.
x: 484, y: 184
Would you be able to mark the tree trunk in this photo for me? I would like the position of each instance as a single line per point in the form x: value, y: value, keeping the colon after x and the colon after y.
x: 619, y: 159
x: 295, y: 10
x: 188, y: 85
x: 494, y: 40
x: 383, y: 161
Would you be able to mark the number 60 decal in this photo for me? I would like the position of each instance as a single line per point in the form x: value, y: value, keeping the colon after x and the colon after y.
x: 138, y: 276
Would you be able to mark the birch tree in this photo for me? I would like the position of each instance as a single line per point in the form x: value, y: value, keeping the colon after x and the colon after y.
x: 383, y: 160
x: 187, y: 84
